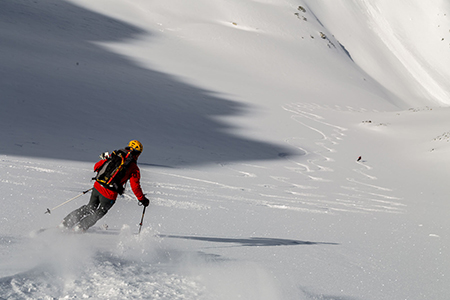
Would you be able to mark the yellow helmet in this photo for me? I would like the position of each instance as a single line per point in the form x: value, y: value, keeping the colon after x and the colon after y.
x: 135, y: 145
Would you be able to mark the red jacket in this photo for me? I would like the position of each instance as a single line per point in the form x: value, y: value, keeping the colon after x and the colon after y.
x: 133, y: 174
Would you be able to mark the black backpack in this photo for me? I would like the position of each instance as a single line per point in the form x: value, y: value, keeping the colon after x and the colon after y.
x: 112, y: 171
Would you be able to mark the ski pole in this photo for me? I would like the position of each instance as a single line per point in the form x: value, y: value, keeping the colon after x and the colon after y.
x: 142, y: 219
x: 48, y: 210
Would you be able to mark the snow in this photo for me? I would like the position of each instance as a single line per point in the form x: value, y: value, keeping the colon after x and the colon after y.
x: 252, y: 115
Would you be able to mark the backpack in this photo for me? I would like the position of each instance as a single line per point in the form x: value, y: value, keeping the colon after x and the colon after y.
x: 112, y: 171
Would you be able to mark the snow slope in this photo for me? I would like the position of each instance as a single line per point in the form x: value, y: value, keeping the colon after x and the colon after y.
x: 403, y: 48
x: 252, y: 115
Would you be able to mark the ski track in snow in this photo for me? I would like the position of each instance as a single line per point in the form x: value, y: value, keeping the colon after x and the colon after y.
x: 318, y: 164
x: 355, y: 191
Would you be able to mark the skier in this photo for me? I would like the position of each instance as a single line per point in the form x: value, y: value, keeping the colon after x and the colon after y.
x: 104, y: 196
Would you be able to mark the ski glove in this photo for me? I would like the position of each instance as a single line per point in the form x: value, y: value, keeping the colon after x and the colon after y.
x: 145, y: 201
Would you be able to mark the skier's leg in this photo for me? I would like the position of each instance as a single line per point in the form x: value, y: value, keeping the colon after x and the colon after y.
x: 91, y: 219
x: 94, y: 202
x: 74, y: 217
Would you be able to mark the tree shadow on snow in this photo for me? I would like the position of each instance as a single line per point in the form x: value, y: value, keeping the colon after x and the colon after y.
x: 250, y: 242
x: 63, y: 96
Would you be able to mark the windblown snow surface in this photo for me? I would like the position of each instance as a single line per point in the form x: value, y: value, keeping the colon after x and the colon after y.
x: 252, y: 115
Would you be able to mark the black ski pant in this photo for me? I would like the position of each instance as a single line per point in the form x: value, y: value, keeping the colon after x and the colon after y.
x: 87, y: 215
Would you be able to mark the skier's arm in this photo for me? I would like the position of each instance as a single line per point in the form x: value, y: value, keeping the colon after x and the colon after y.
x: 135, y: 183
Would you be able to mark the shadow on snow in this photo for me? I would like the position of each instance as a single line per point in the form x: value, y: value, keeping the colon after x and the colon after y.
x: 254, y: 241
x: 63, y: 96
